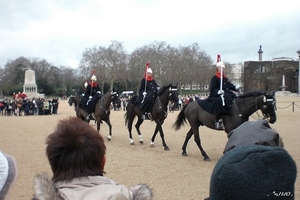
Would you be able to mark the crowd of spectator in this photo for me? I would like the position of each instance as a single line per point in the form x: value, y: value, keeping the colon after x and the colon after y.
x: 23, y: 105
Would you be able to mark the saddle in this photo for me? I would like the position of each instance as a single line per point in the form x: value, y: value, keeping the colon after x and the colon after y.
x: 214, y: 105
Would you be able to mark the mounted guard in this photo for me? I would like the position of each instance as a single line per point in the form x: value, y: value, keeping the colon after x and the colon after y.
x: 147, y: 93
x: 90, y: 96
x: 221, y: 95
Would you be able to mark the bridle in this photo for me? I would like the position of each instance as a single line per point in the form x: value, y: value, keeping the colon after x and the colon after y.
x: 267, y: 100
x: 171, y: 93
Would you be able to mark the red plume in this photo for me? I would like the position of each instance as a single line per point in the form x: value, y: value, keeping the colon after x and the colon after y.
x: 218, y: 58
x: 147, y: 67
x: 93, y: 72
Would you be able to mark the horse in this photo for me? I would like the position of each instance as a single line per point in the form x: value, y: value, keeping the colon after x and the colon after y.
x: 242, y: 107
x: 158, y: 113
x: 116, y: 102
x: 102, y: 110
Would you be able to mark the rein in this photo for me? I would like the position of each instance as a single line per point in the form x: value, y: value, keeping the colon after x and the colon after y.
x: 160, y: 106
x: 256, y: 108
x: 102, y: 107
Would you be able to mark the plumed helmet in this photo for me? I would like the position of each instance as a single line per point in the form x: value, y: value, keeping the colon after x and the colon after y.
x: 93, y: 78
x: 220, y: 64
x: 148, y: 69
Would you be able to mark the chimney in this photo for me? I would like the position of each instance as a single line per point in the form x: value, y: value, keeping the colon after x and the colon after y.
x: 260, y: 54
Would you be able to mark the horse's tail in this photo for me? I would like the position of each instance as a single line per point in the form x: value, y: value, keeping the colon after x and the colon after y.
x: 181, y: 119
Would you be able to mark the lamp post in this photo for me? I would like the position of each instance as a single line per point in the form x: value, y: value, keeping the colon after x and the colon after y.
x: 299, y: 73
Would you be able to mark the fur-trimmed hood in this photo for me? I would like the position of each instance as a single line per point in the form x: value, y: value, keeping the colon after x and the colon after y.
x: 45, y: 189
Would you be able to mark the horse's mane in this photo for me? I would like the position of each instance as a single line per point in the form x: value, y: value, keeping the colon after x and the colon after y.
x: 251, y: 94
x: 162, y: 91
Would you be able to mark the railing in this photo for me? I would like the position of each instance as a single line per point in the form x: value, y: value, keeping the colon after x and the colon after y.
x: 293, y: 104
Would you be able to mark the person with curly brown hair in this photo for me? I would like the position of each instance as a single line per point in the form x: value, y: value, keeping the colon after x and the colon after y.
x: 76, y: 153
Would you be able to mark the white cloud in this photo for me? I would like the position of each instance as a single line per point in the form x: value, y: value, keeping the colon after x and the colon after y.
x: 59, y: 31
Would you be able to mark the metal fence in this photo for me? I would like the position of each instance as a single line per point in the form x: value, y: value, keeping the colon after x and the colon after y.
x: 293, y: 105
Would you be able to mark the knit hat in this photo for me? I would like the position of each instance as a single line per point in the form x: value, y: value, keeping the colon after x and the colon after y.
x: 7, y: 174
x: 254, y: 172
x: 253, y: 132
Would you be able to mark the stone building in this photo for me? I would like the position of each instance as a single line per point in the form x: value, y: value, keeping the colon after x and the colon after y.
x: 268, y: 75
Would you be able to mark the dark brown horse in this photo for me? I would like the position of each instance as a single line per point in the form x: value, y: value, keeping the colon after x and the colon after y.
x: 241, y: 109
x: 102, y: 111
x: 159, y: 113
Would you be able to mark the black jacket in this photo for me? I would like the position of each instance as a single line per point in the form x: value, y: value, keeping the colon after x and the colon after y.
x: 151, y: 88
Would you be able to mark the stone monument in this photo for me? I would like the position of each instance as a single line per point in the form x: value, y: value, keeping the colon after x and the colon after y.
x: 30, y: 86
x: 283, y: 87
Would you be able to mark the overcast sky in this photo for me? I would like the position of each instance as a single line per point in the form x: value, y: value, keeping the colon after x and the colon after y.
x: 60, y: 30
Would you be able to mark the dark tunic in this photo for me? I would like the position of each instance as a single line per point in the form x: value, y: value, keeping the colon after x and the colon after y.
x: 85, y: 103
x: 152, y: 91
x: 213, y: 103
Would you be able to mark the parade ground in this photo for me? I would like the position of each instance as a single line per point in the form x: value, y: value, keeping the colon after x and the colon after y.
x: 168, y: 173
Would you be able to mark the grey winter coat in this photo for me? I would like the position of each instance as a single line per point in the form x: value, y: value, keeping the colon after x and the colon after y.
x: 91, y: 187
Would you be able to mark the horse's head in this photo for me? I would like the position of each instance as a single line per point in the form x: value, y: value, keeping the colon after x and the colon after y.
x: 269, y: 107
x: 173, y: 96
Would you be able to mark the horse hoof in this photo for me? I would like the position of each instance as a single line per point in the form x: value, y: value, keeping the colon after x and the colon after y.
x: 141, y: 142
x: 206, y: 159
x: 184, y: 154
x: 167, y: 148
x: 132, y: 143
x: 151, y: 145
x: 109, y: 138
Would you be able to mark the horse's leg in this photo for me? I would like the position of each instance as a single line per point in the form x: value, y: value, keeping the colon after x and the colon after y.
x: 137, y: 127
x: 159, y: 128
x: 129, y: 127
x: 198, y: 142
x: 153, y: 137
x: 187, y: 138
x: 110, y: 128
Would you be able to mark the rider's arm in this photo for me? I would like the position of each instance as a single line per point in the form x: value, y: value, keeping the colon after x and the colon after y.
x: 230, y: 85
x: 142, y: 87
x: 214, y: 86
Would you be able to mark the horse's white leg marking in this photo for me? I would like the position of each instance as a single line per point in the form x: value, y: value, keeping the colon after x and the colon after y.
x: 131, y: 141
x: 151, y: 144
x: 109, y: 137
x: 141, y: 138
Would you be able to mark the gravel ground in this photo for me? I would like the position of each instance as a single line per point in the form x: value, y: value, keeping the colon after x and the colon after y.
x: 170, y: 175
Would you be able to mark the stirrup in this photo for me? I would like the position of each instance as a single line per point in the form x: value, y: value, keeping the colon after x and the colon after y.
x: 149, y: 116
x: 219, y: 125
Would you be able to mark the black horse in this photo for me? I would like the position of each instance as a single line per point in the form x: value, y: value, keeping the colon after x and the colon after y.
x: 159, y: 113
x: 116, y: 102
x: 243, y: 107
x: 102, y: 110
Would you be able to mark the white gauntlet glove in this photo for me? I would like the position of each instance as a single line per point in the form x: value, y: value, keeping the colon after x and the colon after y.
x: 82, y: 94
x: 220, y: 92
x: 90, y: 97
x: 237, y: 87
x: 98, y: 92
x: 144, y: 93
